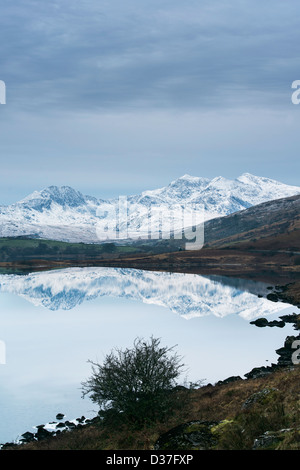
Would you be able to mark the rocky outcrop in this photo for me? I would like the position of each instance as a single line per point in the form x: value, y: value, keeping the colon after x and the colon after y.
x: 287, y: 354
x: 293, y: 318
x: 258, y: 372
x: 259, y: 397
x: 262, y: 322
x: 194, y: 435
x: 230, y: 379
x: 270, y: 439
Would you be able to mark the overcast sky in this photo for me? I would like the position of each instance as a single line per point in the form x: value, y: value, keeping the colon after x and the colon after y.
x: 115, y: 97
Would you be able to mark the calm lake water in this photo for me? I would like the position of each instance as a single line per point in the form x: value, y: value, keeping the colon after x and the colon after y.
x: 52, y: 323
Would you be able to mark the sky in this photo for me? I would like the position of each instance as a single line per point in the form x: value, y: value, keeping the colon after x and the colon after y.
x: 120, y: 96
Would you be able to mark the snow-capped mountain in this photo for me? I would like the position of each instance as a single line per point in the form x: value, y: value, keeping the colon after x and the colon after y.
x: 187, y: 295
x: 62, y: 213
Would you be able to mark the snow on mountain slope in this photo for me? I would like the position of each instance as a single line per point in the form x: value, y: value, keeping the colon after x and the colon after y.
x: 187, y: 295
x: 62, y: 213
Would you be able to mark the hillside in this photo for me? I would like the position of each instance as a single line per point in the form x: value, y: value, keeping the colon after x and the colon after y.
x: 273, y: 225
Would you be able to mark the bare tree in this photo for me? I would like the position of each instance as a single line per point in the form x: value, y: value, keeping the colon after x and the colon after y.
x: 137, y: 383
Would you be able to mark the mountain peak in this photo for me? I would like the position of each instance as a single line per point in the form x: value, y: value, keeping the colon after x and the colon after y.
x: 61, y: 195
x: 266, y: 183
x: 189, y: 178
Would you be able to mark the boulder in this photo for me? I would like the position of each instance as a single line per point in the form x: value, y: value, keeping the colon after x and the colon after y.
x: 270, y: 439
x: 194, y: 435
x: 42, y: 433
x: 258, y: 397
x: 27, y: 437
x: 262, y: 371
x: 273, y: 297
x: 262, y: 322
x: 231, y: 379
x: 286, y: 352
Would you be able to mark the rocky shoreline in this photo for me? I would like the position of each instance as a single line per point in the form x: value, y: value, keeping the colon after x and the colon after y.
x: 54, y: 428
x: 286, y: 360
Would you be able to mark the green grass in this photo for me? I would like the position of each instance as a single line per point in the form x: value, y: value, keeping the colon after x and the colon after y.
x: 18, y: 248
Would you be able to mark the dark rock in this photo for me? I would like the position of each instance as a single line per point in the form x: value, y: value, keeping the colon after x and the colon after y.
x: 260, y: 322
x: 81, y: 420
x: 278, y: 323
x: 258, y: 397
x: 94, y: 420
x: 286, y: 352
x: 257, y: 372
x: 70, y: 424
x: 27, y: 437
x: 269, y: 440
x: 194, y: 435
x: 292, y: 318
x: 265, y: 441
x: 8, y: 445
x: 231, y: 379
x: 42, y: 433
x: 61, y: 425
x: 60, y: 416
x: 273, y: 297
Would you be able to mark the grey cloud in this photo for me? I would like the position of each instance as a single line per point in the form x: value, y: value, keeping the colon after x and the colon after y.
x: 108, y: 55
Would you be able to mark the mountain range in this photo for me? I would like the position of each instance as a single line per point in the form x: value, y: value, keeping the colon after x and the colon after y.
x: 62, y: 213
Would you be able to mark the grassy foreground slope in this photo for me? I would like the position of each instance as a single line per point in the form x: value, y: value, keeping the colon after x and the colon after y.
x: 252, y: 414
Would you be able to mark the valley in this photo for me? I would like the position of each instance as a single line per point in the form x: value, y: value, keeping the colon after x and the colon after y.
x: 261, y: 243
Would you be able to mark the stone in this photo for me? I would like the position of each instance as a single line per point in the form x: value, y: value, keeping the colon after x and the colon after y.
x: 257, y: 372
x: 258, y: 397
x: 273, y: 297
x: 194, y: 435
x: 291, y: 318
x: 81, y: 420
x: 269, y: 440
x: 285, y: 353
x: 70, y: 424
x: 61, y: 425
x: 27, y: 437
x: 231, y: 379
x: 262, y: 322
x: 42, y: 433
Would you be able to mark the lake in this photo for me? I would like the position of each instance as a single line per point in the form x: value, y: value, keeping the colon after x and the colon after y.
x: 52, y: 323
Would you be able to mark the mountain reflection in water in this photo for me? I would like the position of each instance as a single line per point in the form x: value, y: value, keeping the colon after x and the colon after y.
x: 188, y: 295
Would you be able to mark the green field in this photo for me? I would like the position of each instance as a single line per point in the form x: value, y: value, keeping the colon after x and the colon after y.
x: 12, y: 249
